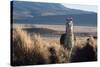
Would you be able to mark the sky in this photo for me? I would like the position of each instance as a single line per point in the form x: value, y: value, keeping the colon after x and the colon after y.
x: 92, y: 8
x: 87, y: 5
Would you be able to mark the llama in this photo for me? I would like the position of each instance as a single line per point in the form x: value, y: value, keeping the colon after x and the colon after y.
x: 67, y: 39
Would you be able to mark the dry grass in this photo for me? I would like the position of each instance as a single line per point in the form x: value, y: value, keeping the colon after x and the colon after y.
x: 36, y: 49
x: 81, y: 41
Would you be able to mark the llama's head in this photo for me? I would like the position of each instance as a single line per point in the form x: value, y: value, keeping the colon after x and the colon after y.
x: 69, y: 24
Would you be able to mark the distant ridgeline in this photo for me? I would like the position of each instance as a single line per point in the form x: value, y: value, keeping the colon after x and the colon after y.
x: 50, y: 13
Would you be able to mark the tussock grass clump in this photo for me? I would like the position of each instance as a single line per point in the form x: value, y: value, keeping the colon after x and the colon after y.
x: 85, y: 52
x: 22, y: 47
x: 27, y: 50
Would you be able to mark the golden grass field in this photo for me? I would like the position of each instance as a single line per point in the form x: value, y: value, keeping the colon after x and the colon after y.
x: 36, y: 49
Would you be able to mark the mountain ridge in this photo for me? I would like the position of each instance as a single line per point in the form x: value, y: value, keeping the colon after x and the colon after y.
x: 34, y: 12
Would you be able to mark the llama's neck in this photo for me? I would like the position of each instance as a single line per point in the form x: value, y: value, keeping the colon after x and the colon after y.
x: 69, y: 41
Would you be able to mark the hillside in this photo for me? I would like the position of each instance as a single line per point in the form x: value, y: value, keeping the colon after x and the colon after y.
x: 49, y: 13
